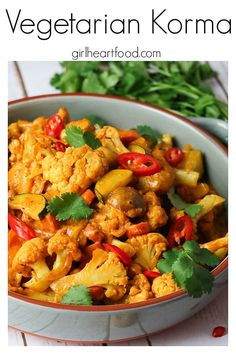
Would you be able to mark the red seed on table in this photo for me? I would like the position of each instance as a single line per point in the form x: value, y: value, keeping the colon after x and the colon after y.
x: 218, y: 331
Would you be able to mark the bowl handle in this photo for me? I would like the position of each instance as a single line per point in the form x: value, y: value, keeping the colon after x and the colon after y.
x: 216, y: 127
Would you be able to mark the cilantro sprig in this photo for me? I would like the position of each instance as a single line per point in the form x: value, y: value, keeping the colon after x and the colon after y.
x: 77, y: 295
x: 69, y: 205
x: 148, y: 132
x: 75, y: 137
x: 191, y: 209
x: 188, y: 266
x: 177, y: 85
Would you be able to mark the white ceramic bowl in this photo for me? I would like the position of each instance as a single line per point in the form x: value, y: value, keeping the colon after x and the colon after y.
x: 112, y: 323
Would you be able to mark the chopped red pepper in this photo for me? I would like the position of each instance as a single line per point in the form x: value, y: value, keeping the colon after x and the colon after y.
x: 127, y: 136
x: 60, y: 146
x: 181, y: 228
x: 174, y: 156
x: 138, y: 229
x: 140, y: 164
x: 218, y: 331
x: 151, y: 274
x: 120, y: 253
x: 20, y: 227
x: 54, y: 126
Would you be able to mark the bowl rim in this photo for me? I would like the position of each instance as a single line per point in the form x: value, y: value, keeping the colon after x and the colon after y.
x: 119, y: 307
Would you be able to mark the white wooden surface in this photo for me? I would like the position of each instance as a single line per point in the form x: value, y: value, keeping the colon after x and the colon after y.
x: 32, y: 78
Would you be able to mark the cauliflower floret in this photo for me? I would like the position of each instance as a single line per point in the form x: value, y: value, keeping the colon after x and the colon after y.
x: 59, y: 243
x: 164, y: 285
x: 110, y: 221
x: 104, y: 269
x: 156, y: 215
x: 148, y: 249
x: 30, y: 260
x: 140, y: 289
x: 110, y: 138
x: 27, y: 153
x: 30, y: 252
x: 73, y: 170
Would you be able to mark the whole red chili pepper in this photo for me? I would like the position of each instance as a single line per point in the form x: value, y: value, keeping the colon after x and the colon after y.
x: 120, y: 253
x: 140, y: 164
x: 54, y: 126
x: 181, y: 228
x: 20, y: 227
x: 174, y: 156
x: 218, y: 331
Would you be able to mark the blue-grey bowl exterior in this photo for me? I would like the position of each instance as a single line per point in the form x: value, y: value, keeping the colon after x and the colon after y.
x: 116, y: 323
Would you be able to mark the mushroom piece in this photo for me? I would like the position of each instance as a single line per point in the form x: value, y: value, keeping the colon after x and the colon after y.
x: 129, y: 200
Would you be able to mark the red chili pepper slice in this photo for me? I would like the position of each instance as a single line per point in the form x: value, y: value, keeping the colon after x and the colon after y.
x: 151, y: 274
x: 140, y: 164
x: 181, y: 228
x: 60, y: 146
x: 174, y: 156
x: 218, y: 331
x: 121, y: 254
x: 54, y: 126
x: 20, y: 227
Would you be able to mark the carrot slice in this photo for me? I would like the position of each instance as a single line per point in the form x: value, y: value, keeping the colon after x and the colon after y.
x: 88, y: 196
x: 138, y: 229
x: 127, y: 136
x: 49, y: 223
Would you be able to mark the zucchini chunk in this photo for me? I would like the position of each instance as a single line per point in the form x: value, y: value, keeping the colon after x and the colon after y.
x: 31, y: 204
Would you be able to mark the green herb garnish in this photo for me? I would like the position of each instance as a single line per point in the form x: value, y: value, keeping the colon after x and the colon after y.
x: 75, y: 137
x: 191, y: 209
x: 69, y: 205
x: 188, y: 267
x: 77, y: 295
x: 148, y: 132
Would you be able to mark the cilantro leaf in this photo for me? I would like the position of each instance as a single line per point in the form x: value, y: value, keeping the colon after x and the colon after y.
x: 201, y: 255
x: 69, y: 205
x: 77, y: 295
x: 91, y: 140
x: 75, y: 137
x: 146, y: 131
x: 169, y: 257
x: 191, y: 209
x: 188, y: 267
x: 199, y: 283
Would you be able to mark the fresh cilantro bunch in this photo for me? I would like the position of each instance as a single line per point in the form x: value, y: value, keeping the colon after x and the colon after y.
x: 75, y: 137
x: 69, y: 205
x: 177, y: 85
x: 188, y: 266
x: 191, y: 209
x: 77, y: 295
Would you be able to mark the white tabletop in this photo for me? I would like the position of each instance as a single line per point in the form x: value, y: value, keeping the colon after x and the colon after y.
x: 32, y: 78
